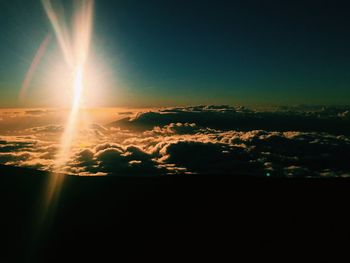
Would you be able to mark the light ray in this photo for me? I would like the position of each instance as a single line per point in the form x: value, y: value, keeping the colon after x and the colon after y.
x: 74, y: 43
x: 35, y: 63
x: 60, y: 30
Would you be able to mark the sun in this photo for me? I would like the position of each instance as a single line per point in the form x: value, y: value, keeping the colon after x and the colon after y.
x: 74, y: 42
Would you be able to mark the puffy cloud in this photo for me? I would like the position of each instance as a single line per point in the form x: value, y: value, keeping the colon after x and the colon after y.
x: 27, y: 151
x: 199, y: 139
x: 210, y: 158
x: 14, y: 157
x: 115, y: 160
x: 15, y: 146
x: 173, y: 128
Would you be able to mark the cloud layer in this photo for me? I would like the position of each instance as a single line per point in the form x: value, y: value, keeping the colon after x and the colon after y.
x: 195, y: 140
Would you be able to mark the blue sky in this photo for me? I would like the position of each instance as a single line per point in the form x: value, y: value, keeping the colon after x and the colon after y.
x: 160, y: 53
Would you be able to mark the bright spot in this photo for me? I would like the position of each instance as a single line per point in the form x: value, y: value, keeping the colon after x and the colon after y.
x: 74, y: 42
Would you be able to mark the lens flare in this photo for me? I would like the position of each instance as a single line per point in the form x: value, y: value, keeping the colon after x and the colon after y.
x: 36, y: 61
x: 74, y: 43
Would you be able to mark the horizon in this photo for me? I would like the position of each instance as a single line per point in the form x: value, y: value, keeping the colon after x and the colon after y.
x: 104, y: 87
x: 142, y: 107
x: 183, y: 121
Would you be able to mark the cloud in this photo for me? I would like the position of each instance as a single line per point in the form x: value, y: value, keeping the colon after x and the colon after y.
x: 195, y: 140
x: 115, y: 162
x: 112, y: 159
x: 45, y: 129
x: 27, y: 151
x: 14, y: 157
x: 210, y: 158
x: 330, y: 120
x: 174, y: 128
x: 35, y: 112
x: 15, y: 146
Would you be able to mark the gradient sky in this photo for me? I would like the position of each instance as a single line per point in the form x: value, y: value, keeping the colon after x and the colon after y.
x: 162, y: 53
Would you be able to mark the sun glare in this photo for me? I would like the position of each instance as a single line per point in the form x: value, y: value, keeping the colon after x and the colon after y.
x: 74, y: 42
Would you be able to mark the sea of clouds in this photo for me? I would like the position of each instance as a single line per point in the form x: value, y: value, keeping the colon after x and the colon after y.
x: 286, y: 141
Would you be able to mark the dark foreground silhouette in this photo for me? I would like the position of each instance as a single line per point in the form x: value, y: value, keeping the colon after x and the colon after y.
x: 172, y: 217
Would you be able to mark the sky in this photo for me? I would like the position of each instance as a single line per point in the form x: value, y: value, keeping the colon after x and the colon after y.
x: 168, y: 53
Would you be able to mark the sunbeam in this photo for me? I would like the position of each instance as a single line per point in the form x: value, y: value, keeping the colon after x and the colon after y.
x: 74, y: 43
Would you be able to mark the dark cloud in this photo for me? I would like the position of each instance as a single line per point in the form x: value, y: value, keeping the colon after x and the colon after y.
x: 211, y: 158
x: 330, y: 120
x: 131, y: 161
x: 309, y: 152
x: 113, y: 159
x: 16, y: 146
x: 13, y: 157
x: 85, y: 157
